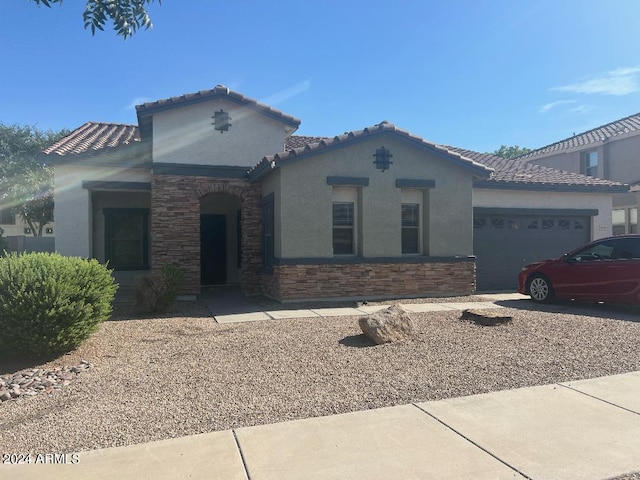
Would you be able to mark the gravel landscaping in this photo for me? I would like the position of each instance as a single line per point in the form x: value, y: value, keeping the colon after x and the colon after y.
x: 182, y: 373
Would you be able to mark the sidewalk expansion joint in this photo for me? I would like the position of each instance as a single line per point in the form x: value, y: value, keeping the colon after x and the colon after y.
x: 598, y: 398
x: 244, y: 463
x: 473, y: 443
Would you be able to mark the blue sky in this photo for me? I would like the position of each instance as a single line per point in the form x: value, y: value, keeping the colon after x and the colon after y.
x: 476, y: 74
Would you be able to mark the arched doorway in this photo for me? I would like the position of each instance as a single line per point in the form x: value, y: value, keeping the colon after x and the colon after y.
x: 220, y: 239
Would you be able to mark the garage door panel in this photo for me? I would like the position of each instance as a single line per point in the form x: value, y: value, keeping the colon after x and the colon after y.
x: 503, y: 244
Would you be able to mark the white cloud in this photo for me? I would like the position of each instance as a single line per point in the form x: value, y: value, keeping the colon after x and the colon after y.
x: 618, y: 82
x: 137, y: 101
x: 287, y: 93
x: 548, y: 106
x: 581, y: 109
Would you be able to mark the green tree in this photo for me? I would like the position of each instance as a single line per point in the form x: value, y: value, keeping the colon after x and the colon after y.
x: 127, y: 16
x: 26, y: 184
x: 511, y: 152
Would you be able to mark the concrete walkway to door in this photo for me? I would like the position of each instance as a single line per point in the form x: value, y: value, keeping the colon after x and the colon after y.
x: 228, y: 305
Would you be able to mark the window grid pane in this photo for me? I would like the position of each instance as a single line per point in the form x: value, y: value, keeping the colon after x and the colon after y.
x: 410, y: 238
x: 343, y: 229
x: 343, y: 214
x: 410, y: 215
x: 126, y: 238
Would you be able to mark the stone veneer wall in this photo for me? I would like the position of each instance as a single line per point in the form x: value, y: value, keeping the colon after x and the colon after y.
x: 175, y: 226
x: 369, y: 280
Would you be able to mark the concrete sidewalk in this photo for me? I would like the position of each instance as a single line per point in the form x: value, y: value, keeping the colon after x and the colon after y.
x: 238, y: 310
x: 587, y: 429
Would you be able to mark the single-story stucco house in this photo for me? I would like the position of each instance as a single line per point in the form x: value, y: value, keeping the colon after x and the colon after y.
x: 216, y: 183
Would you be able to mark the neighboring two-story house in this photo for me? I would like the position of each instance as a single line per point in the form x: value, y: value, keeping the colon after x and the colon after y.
x: 612, y: 152
x: 18, y: 234
x: 217, y: 183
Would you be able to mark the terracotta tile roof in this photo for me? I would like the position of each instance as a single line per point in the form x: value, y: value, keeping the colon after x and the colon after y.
x: 626, y: 126
x: 519, y: 173
x: 300, y: 141
x: 145, y: 110
x: 94, y: 137
x: 321, y: 144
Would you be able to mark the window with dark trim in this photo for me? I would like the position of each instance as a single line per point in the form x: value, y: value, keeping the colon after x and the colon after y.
x: 343, y: 228
x: 410, y: 228
x: 268, y: 206
x: 127, y: 238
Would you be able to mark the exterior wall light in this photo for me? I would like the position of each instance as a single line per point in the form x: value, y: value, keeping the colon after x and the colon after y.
x: 383, y: 159
x: 221, y: 121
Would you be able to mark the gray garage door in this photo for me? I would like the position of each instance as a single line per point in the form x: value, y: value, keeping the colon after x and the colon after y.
x: 503, y: 244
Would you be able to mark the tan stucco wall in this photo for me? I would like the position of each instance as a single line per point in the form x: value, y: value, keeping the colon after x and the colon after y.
x: 73, y: 211
x: 624, y: 165
x: 600, y: 224
x: 306, y: 199
x: 187, y: 135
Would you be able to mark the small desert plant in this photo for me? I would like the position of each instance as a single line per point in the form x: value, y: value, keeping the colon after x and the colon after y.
x: 158, y: 290
x: 50, y: 304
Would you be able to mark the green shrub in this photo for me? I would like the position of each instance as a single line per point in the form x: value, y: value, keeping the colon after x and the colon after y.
x: 158, y: 290
x: 50, y: 304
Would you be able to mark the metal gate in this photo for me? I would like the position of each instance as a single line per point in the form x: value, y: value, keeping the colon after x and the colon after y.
x: 503, y: 244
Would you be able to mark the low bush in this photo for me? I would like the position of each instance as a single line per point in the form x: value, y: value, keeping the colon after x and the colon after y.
x: 157, y: 291
x: 50, y: 304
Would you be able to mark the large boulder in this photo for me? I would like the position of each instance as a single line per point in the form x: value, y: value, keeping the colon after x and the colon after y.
x: 389, y: 325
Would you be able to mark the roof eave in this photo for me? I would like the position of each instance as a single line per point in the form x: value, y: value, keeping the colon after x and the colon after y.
x: 549, y: 187
x: 135, y: 156
x: 477, y: 169
x: 144, y: 112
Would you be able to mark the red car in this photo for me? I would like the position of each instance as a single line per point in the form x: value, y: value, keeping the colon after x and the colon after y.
x: 606, y: 270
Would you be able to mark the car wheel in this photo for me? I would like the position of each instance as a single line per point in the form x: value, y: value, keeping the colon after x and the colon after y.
x: 540, y: 289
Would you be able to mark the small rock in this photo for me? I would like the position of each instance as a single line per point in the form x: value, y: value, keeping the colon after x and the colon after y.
x: 486, y: 318
x: 26, y: 383
x: 15, y: 393
x: 5, y: 395
x: 389, y: 325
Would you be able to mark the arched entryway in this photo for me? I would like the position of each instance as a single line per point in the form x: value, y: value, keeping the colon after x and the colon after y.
x: 179, y: 209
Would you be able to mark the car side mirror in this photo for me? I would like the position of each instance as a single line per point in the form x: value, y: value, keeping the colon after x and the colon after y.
x: 569, y: 260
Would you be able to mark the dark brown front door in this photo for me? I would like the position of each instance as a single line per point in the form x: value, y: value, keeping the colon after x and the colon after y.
x: 213, y: 249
